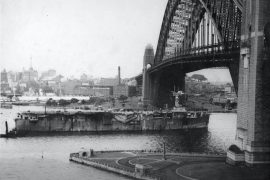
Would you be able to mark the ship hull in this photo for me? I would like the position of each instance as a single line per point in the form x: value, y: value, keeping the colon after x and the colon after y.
x: 102, y: 122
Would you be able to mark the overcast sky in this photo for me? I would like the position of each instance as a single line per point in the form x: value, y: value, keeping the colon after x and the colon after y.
x: 81, y: 36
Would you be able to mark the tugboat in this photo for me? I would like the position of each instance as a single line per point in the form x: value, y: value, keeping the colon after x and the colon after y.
x: 9, y: 134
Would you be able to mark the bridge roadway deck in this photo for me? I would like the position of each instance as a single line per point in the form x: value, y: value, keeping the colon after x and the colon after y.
x: 210, y: 59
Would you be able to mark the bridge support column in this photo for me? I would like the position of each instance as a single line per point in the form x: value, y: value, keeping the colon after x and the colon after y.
x: 146, y: 87
x: 253, y: 120
x: 154, y: 85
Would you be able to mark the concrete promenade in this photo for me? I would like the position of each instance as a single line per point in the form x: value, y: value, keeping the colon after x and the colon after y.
x: 152, y: 165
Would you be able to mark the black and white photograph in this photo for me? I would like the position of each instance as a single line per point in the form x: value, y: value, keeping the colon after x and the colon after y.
x: 135, y: 89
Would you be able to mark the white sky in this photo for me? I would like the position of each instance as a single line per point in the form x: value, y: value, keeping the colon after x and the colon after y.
x: 81, y: 36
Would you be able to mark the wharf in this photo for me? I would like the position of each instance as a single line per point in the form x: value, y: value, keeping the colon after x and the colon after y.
x: 153, y: 166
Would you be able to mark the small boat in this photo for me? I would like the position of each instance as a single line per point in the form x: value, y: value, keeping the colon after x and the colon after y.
x: 11, y: 134
x: 21, y: 103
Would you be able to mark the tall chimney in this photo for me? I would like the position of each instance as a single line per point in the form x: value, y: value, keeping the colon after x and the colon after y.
x: 6, y: 127
x: 119, y: 75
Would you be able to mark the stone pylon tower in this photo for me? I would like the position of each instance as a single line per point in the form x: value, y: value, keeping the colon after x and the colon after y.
x: 148, y: 60
x: 253, y: 121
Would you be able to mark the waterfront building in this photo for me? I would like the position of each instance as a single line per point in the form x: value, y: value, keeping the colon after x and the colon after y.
x: 5, y: 88
x: 4, y: 82
x: 79, y: 88
x: 29, y: 75
x: 81, y: 91
x: 110, y: 81
x: 11, y: 76
x: 47, y: 75
x: 53, y: 82
x: 107, y: 82
x: 4, y: 76
x: 69, y: 86
x: 101, y: 91
x: 120, y: 90
x: 88, y: 83
x: 23, y: 85
x: 92, y: 91
x: 84, y: 77
x: 18, y: 76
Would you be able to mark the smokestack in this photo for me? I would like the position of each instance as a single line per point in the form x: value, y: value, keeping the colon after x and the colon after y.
x: 119, y: 75
x: 6, y: 127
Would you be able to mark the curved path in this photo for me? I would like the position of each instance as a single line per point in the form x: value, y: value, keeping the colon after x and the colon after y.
x: 181, y: 166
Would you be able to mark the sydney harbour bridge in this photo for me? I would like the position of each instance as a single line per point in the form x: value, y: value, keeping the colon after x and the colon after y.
x: 200, y: 34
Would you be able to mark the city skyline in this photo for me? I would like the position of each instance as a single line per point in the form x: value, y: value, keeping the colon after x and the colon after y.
x: 76, y: 37
x: 80, y: 36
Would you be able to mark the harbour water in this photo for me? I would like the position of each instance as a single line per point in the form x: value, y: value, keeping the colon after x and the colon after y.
x: 46, y: 157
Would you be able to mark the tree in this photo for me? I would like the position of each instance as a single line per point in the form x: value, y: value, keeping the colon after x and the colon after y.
x: 63, y: 102
x: 51, y: 102
x: 92, y: 100
x: 83, y: 101
x: 99, y: 101
x: 47, y: 89
x: 96, y: 100
x: 112, y: 100
x: 74, y: 100
x: 123, y: 98
x: 199, y: 77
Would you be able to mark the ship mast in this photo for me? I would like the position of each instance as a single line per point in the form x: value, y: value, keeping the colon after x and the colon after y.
x: 176, y: 101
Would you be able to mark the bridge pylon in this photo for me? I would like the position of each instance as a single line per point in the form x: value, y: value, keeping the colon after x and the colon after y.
x: 148, y: 60
x: 253, y: 120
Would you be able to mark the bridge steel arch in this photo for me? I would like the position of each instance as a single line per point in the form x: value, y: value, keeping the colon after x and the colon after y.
x: 216, y: 8
x: 181, y: 22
